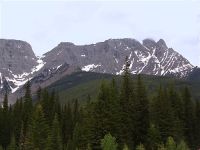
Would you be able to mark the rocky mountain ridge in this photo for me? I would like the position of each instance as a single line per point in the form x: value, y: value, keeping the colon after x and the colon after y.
x: 18, y: 62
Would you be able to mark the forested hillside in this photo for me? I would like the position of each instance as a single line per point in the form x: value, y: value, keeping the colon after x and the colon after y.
x: 122, y: 117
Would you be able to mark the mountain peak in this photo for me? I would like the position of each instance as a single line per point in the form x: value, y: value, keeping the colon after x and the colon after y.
x: 62, y: 44
x: 161, y: 43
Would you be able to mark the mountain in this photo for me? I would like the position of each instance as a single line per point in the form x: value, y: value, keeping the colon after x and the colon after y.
x: 19, y: 63
x: 150, y: 57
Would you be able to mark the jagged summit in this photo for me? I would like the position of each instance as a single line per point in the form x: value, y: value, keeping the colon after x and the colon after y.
x: 149, y: 57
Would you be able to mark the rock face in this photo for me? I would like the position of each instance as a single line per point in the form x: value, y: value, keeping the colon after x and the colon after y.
x: 18, y: 62
x: 149, y: 57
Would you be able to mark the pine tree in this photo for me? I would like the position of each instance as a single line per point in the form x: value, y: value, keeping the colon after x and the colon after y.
x: 126, y: 112
x: 5, y: 131
x: 189, y: 117
x: 101, y: 116
x: 17, y: 119
x: 163, y: 114
x: 109, y: 143
x: 66, y: 124
x: 28, y: 141
x: 78, y: 137
x: 170, y: 144
x: 28, y: 106
x: 141, y: 113
x: 89, y: 147
x: 197, y: 124
x: 54, y: 138
x: 182, y: 146
x: 76, y: 115
x: 177, y: 108
x: 21, y: 139
x: 39, y: 128
x: 154, y: 139
x: 114, y: 109
x: 125, y: 147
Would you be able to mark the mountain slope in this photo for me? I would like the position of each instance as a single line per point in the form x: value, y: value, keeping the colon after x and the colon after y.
x: 150, y: 57
x: 78, y: 85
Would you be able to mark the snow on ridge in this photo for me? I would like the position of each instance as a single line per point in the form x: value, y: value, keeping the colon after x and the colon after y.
x: 20, y: 79
x: 89, y: 67
x: 41, y: 64
x: 121, y: 71
x: 17, y: 82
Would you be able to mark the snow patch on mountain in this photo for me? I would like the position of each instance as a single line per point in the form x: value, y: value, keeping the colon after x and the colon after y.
x: 89, y: 67
x: 18, y: 80
x: 41, y: 64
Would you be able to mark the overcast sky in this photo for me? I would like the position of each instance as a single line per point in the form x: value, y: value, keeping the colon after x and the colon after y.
x: 45, y: 24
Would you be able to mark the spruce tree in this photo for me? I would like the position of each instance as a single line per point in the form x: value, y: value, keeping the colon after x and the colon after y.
x: 109, y: 143
x: 125, y: 147
x: 101, y: 122
x: 182, y: 146
x: 177, y: 108
x: 5, y: 131
x: 54, y: 137
x: 66, y: 124
x: 141, y: 113
x: 39, y: 128
x: 170, y: 144
x: 163, y: 114
x: 154, y: 138
x: 28, y: 106
x: 189, y: 117
x: 197, y: 124
x: 17, y: 119
x: 126, y: 112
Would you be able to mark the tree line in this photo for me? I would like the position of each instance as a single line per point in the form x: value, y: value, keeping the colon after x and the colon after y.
x: 122, y: 117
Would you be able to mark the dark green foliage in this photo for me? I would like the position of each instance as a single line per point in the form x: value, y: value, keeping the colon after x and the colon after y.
x: 70, y: 145
x: 5, y: 124
x: 12, y: 145
x: 108, y: 142
x: 39, y: 128
x: 197, y: 124
x: 66, y: 124
x: 17, y: 119
x: 28, y: 106
x: 123, y: 109
x: 189, y: 117
x: 126, y: 111
x: 54, y: 137
x: 141, y: 113
x: 153, y: 137
x: 163, y: 115
x: 140, y: 147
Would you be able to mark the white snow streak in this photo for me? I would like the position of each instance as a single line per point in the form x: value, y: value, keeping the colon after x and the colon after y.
x: 90, y: 67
